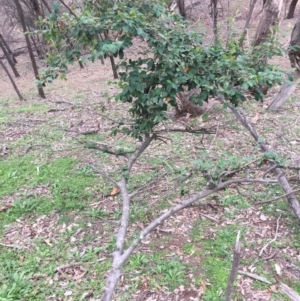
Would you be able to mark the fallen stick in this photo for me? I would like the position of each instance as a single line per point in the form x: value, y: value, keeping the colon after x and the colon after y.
x: 284, y: 289
x: 289, y: 292
x: 256, y: 277
x: 294, y: 203
x: 235, y: 267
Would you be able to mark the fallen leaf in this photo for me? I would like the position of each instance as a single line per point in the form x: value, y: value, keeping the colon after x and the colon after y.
x: 3, y: 208
x: 68, y: 293
x: 254, y: 119
x: 115, y: 191
x: 274, y: 288
x: 47, y: 241
x: 263, y: 217
x: 278, y: 269
x: 77, y: 277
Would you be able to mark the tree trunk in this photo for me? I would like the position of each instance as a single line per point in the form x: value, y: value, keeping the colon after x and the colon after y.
x: 270, y: 17
x: 33, y: 62
x: 37, y: 50
x: 8, y: 56
x: 68, y: 8
x: 292, y: 8
x: 11, y: 80
x: 247, y: 24
x: 11, y: 54
x: 46, y: 5
x: 214, y: 14
x: 36, y: 8
x: 114, y: 67
x: 181, y: 8
x: 288, y: 87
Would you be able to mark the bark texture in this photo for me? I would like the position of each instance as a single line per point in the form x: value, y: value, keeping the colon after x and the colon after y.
x: 184, y: 104
x: 270, y: 17
x: 181, y: 8
x: 287, y: 89
x: 292, y: 8
x: 11, y: 80
x: 33, y: 62
x: 294, y: 54
x: 8, y: 55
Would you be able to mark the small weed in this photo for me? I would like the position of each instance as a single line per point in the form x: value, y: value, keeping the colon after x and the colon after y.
x: 169, y: 273
x: 235, y: 200
x: 189, y: 248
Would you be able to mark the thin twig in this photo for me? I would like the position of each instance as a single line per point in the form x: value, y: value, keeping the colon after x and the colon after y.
x: 235, y: 267
x: 293, y: 201
x: 266, y: 245
x: 256, y: 277
x: 105, y: 148
x: 103, y: 174
x: 146, y: 186
x: 120, y: 256
x: 10, y: 246
x: 66, y: 266
x: 269, y: 170
x: 278, y: 197
x: 209, y: 217
x: 188, y: 130
x: 274, y: 239
x: 140, y: 150
x: 214, y: 138
x: 289, y: 292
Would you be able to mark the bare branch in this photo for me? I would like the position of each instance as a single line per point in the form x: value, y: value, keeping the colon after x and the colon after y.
x: 103, y: 174
x: 106, y: 148
x: 235, y: 267
x: 188, y: 130
x: 289, y: 292
x: 146, y: 186
x: 269, y: 170
x: 124, y: 219
x: 293, y: 201
x: 247, y: 24
x: 266, y: 245
x: 140, y: 150
x: 256, y: 277
x: 119, y: 259
x: 183, y: 204
x: 9, y: 246
x: 68, y: 8
x: 193, y: 5
x: 209, y: 217
x: 277, y: 198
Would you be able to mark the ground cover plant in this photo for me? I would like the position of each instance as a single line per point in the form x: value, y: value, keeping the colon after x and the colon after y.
x: 60, y: 219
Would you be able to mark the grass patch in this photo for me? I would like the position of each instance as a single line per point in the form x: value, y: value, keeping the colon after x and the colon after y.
x: 68, y: 185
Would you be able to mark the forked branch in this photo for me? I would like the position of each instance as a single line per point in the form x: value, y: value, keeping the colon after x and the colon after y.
x: 293, y: 201
x: 120, y: 256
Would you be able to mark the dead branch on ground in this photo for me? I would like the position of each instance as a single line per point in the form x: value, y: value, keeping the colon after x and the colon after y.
x: 235, y: 267
x: 121, y: 254
x: 293, y: 201
x: 267, y: 244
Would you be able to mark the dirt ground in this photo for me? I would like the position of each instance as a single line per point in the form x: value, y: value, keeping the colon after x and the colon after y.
x: 73, y: 107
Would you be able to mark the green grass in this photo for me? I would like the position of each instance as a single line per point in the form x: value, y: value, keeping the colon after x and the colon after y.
x: 69, y: 186
x: 6, y: 109
x: 84, y: 233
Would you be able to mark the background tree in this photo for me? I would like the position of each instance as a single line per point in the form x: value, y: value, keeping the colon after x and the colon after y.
x: 269, y: 19
x: 292, y: 8
x: 11, y: 80
x: 214, y: 15
x: 181, y: 8
x: 33, y: 62
x: 8, y: 55
x: 287, y: 89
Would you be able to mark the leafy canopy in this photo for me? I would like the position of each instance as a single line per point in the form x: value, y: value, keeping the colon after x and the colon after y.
x: 175, y: 57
